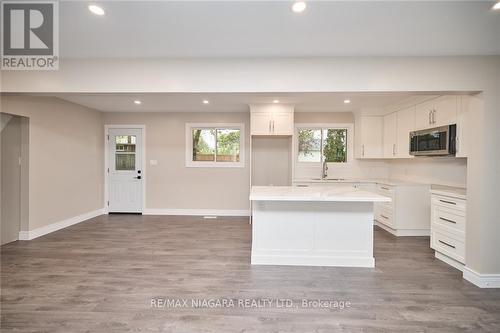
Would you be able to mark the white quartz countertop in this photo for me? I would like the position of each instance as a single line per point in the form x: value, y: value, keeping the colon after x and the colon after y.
x: 293, y: 193
x: 385, y: 181
x: 449, y: 191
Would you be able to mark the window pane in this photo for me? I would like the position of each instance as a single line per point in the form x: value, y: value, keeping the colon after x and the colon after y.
x: 125, y: 143
x: 203, y: 145
x: 125, y: 162
x: 228, y: 145
x: 335, y: 145
x: 309, y: 145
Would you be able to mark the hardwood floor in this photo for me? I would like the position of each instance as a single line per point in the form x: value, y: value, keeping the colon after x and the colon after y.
x: 101, y: 275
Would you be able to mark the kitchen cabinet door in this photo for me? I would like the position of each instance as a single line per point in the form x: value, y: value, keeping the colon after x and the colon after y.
x: 437, y: 112
x: 390, y: 135
x: 405, y: 124
x: 260, y: 123
x: 445, y: 111
x: 423, y: 115
x: 371, y: 137
x: 282, y: 123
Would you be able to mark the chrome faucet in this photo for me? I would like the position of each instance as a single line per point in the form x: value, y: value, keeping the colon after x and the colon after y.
x: 324, y: 170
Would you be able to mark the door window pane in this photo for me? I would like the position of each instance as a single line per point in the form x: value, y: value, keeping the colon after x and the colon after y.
x: 125, y: 143
x: 125, y: 162
x: 125, y: 152
x: 335, y: 145
x: 228, y: 145
x: 309, y: 145
x: 204, y: 145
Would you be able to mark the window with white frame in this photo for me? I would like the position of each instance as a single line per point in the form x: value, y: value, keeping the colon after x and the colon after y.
x: 215, y: 145
x: 316, y: 143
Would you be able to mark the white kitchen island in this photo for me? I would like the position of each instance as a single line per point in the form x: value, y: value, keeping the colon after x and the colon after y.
x: 313, y: 226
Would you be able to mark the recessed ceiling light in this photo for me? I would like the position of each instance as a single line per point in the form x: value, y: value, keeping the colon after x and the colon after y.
x: 206, y: 101
x: 347, y: 101
x: 276, y: 101
x: 299, y: 6
x: 138, y: 102
x: 496, y: 6
x: 96, y: 10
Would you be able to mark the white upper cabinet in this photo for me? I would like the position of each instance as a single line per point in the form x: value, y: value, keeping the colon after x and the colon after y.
x: 405, y: 124
x: 260, y: 123
x: 437, y: 112
x: 368, y: 136
x: 271, y: 119
x: 282, y: 123
x: 390, y: 135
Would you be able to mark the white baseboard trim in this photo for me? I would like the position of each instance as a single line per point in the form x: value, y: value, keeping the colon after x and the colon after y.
x: 197, y: 212
x: 404, y: 232
x: 450, y: 261
x: 481, y: 280
x: 35, y: 233
x: 292, y: 260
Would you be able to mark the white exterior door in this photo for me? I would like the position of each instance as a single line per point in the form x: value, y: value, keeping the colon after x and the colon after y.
x: 125, y: 170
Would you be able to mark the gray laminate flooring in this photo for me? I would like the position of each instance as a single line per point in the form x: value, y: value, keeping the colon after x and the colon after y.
x: 103, y: 275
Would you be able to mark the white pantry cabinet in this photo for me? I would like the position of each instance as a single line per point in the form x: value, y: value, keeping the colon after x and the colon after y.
x: 405, y: 124
x: 437, y: 112
x: 390, y: 135
x: 271, y: 119
x: 368, y: 137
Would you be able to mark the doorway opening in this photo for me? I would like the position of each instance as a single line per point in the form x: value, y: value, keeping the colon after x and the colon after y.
x: 14, y: 143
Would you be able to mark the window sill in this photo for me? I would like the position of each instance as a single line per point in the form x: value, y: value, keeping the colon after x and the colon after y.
x: 215, y: 165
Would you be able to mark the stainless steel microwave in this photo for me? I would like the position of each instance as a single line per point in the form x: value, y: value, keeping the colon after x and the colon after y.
x: 437, y: 141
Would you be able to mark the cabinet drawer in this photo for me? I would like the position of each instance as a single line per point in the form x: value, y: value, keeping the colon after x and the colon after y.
x: 385, y: 216
x: 448, y: 219
x: 386, y: 190
x: 448, y: 202
x: 448, y: 245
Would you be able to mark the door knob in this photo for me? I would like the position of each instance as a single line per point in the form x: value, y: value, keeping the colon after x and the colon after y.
x: 138, y: 177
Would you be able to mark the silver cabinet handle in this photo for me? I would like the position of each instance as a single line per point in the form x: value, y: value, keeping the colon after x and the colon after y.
x: 433, y: 116
x: 273, y: 126
x: 430, y: 122
x: 448, y: 202
x: 393, y: 149
x: 363, y: 152
x: 444, y: 219
x: 269, y: 126
x: 384, y: 188
x: 452, y: 246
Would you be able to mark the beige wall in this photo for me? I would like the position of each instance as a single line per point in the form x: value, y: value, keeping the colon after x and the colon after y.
x: 170, y: 184
x: 271, y: 161
x: 65, y: 157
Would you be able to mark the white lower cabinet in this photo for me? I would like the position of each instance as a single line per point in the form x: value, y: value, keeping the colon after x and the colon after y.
x: 448, y: 221
x: 408, y: 212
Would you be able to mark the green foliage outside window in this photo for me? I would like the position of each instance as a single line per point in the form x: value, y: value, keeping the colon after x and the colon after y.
x: 331, y: 143
x: 221, y: 145
x: 335, y: 145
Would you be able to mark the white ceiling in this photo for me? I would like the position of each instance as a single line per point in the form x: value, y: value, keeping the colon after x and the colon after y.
x: 236, y: 102
x: 193, y: 29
